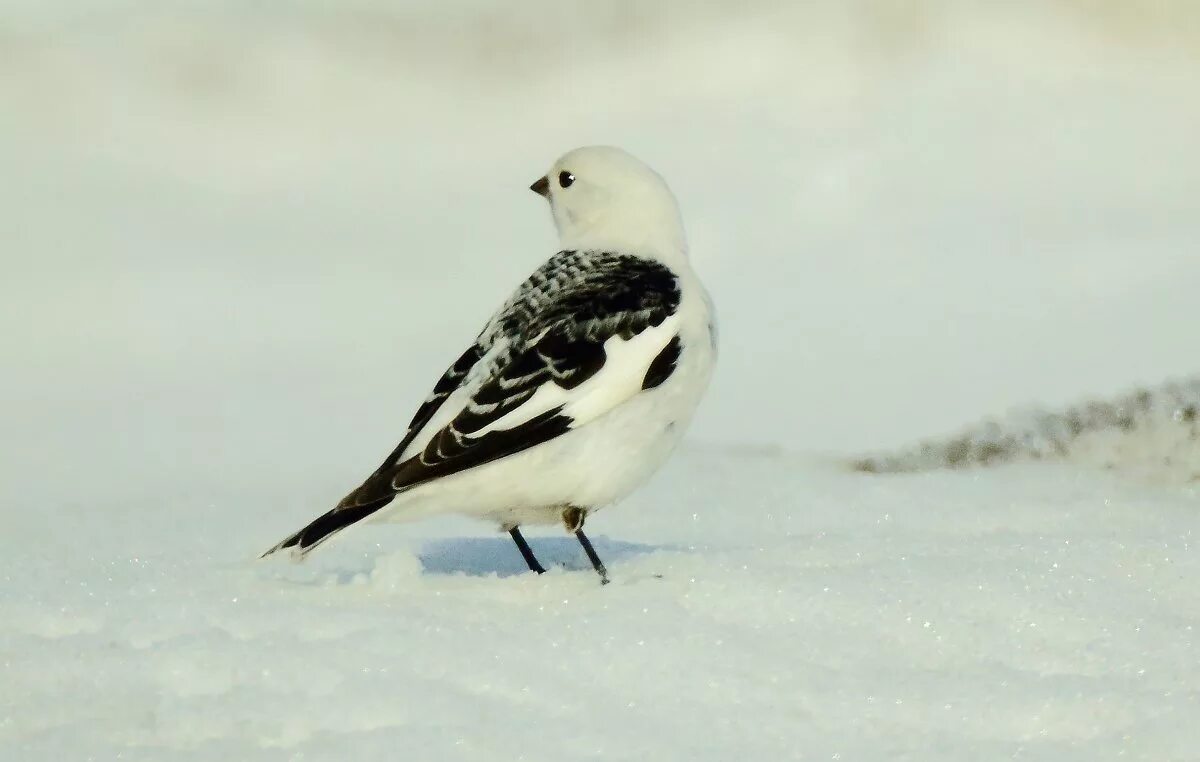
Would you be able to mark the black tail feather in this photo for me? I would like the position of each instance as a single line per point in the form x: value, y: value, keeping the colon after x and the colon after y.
x: 327, y: 525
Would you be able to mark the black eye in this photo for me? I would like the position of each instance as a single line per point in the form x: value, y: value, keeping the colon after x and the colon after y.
x: 565, y: 179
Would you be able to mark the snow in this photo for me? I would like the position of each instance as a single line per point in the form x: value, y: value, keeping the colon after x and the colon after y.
x: 227, y: 238
x: 1027, y: 612
x: 1150, y: 434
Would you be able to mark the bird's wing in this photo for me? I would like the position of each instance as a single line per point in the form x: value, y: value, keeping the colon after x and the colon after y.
x: 450, y: 382
x: 584, y: 333
x: 587, y: 331
x: 353, y: 507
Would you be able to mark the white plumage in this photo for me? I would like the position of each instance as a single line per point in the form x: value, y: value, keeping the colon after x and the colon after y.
x: 580, y: 385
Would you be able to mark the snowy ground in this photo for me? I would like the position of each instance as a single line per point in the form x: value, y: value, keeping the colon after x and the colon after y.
x: 1027, y: 612
x: 1150, y: 434
x: 228, y: 231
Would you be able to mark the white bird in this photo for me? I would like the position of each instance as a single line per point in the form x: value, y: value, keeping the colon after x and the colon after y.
x: 580, y: 385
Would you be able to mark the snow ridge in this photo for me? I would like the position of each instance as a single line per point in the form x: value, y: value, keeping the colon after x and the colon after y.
x: 1153, y: 434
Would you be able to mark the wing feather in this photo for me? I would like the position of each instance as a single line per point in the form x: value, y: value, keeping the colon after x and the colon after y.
x: 450, y: 382
x: 574, y: 341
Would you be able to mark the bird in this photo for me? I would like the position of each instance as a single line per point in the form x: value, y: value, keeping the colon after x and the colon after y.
x: 577, y: 389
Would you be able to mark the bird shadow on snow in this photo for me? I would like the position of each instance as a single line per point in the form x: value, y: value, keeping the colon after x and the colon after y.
x: 469, y: 556
x: 484, y: 556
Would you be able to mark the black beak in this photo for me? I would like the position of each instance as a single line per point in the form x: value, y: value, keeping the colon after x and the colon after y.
x: 541, y: 186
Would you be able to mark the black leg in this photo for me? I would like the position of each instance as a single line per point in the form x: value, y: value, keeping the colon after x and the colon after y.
x: 526, y: 551
x: 597, y: 564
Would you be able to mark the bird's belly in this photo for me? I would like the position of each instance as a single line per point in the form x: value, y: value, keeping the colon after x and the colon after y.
x: 591, y: 467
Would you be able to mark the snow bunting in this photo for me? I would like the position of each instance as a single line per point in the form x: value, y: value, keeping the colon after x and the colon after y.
x: 580, y: 385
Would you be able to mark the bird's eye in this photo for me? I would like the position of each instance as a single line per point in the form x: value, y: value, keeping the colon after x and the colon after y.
x: 565, y: 179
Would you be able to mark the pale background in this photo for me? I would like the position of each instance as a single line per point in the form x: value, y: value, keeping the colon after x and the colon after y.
x: 234, y: 233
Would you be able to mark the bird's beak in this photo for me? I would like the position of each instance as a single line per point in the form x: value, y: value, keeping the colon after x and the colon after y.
x: 541, y: 186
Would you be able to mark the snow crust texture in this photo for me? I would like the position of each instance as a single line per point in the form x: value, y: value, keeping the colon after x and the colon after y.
x: 773, y: 608
x: 1149, y: 434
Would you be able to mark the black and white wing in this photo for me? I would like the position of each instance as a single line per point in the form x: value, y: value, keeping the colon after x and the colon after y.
x: 545, y: 364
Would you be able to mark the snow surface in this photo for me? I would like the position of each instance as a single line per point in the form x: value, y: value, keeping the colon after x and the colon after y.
x: 228, y: 234
x: 1151, y: 434
x: 763, y: 607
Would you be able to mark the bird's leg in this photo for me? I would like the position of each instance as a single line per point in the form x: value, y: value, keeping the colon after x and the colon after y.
x: 526, y: 551
x: 597, y: 564
x: 573, y: 518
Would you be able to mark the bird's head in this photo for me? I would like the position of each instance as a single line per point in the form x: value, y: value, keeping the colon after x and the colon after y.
x: 601, y: 197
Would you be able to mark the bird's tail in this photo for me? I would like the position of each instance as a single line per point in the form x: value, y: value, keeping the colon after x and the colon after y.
x: 327, y: 526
